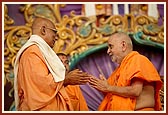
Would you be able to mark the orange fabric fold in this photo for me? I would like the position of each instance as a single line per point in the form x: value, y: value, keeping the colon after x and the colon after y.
x: 76, y: 97
x: 133, y: 65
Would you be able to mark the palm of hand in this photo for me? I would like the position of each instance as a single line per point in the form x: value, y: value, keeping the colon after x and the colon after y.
x: 76, y: 77
x: 99, y: 84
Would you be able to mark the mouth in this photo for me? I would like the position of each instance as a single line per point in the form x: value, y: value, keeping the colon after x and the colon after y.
x: 54, y: 41
x: 110, y: 55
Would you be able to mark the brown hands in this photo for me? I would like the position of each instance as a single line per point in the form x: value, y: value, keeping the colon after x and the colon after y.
x: 100, y: 84
x: 76, y: 77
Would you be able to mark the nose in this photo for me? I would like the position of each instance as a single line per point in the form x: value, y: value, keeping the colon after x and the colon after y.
x: 108, y: 51
x: 56, y: 37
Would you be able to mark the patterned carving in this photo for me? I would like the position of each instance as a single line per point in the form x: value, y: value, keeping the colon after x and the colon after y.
x: 77, y: 33
x: 149, y: 26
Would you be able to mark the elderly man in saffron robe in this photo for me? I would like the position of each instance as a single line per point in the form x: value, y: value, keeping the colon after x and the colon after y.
x: 135, y: 83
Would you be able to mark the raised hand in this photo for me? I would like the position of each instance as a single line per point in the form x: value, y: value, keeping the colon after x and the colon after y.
x: 100, y: 83
x: 76, y: 77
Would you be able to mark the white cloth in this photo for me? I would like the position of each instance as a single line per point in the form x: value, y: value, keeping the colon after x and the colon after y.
x: 115, y: 9
x: 90, y: 10
x: 153, y: 11
x: 53, y: 62
x: 126, y: 8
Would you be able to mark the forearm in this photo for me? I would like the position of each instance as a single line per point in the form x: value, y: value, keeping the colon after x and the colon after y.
x: 127, y: 91
x: 66, y: 82
x: 131, y: 91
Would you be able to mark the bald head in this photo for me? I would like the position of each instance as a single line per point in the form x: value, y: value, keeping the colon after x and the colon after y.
x: 39, y: 23
x: 46, y: 30
x: 122, y: 37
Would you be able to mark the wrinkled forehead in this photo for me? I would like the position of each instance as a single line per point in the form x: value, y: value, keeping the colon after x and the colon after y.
x: 112, y: 39
x: 116, y: 38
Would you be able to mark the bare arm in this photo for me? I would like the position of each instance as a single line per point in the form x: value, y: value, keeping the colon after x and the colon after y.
x: 133, y: 90
x: 128, y: 91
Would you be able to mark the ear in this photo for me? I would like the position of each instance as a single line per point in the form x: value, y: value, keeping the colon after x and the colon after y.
x: 42, y: 30
x: 124, y: 46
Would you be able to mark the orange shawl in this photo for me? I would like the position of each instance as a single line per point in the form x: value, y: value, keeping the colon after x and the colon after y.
x: 133, y: 65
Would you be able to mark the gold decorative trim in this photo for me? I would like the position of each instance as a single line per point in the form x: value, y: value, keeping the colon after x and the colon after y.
x: 77, y: 33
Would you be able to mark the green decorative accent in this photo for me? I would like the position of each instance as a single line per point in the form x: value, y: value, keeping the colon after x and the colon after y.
x: 84, y: 30
x: 23, y: 41
x: 44, y: 11
x: 152, y: 27
x: 137, y: 37
x: 106, y: 29
x: 149, y: 27
x: 76, y: 58
x: 11, y: 75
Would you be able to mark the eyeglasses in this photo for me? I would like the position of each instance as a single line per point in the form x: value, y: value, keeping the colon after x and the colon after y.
x: 54, y: 30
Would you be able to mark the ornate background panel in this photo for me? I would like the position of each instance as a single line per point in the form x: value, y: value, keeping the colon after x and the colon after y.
x: 79, y: 35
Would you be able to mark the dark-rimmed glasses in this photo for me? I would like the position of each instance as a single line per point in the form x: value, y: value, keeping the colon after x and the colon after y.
x: 54, y: 30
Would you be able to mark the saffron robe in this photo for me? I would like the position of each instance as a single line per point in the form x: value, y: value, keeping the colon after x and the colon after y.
x: 76, y: 97
x: 133, y: 65
x: 37, y: 88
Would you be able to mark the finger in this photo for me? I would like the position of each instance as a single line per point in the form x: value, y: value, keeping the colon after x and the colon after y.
x: 102, y: 77
x: 84, y: 81
x: 93, y: 81
x: 85, y: 78
x: 94, y: 86
x: 77, y: 70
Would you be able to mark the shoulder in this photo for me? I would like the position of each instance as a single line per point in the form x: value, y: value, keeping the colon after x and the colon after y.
x: 32, y: 51
x: 137, y: 57
x: 32, y: 48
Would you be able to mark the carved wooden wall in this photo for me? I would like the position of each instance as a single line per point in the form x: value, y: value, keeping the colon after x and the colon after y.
x: 77, y: 33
